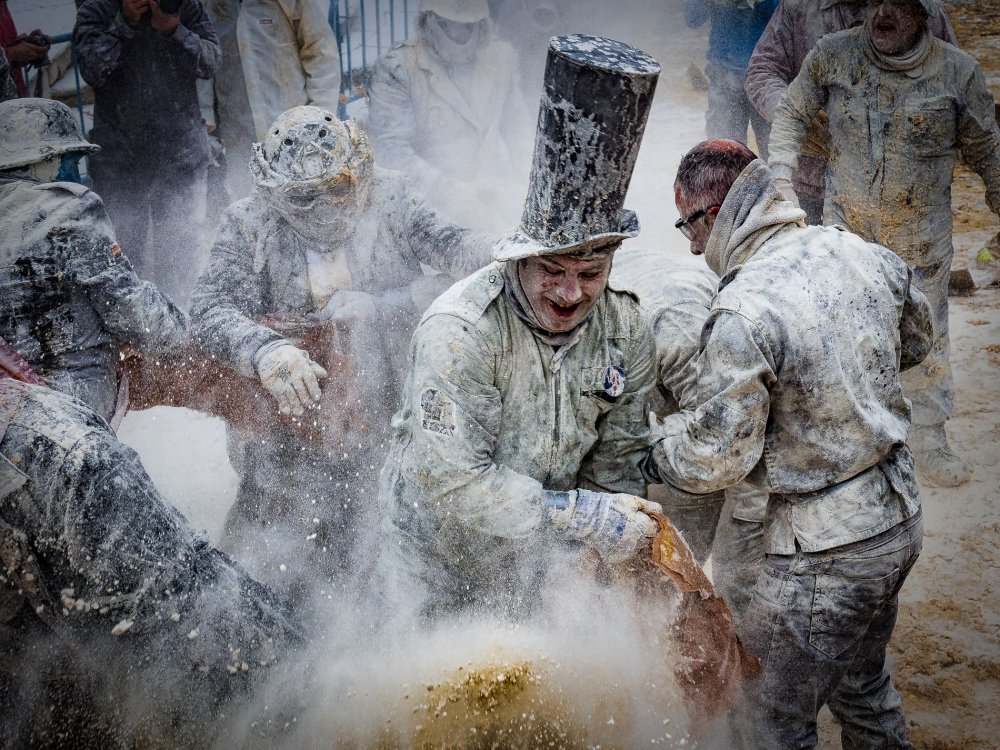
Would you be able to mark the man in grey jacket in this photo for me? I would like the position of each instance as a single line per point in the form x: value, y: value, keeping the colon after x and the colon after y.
x: 523, y: 424
x: 794, y: 29
x: 327, y: 238
x: 799, y: 392
x: 69, y: 299
x: 902, y: 107
x: 143, y: 64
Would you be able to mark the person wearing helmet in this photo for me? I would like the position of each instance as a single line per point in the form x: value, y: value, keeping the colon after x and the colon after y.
x: 326, y: 236
x: 446, y: 108
x: 69, y: 299
x: 903, y: 107
x: 523, y: 422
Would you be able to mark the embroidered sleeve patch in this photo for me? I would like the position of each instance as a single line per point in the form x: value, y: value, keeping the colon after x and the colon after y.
x: 437, y: 412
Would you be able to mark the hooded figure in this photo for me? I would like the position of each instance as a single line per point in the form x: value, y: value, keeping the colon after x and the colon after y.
x: 522, y: 424
x: 902, y: 107
x: 69, y: 299
x: 446, y: 108
x: 330, y: 238
x: 798, y: 392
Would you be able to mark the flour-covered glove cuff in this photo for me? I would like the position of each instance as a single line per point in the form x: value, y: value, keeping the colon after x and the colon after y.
x: 616, y: 525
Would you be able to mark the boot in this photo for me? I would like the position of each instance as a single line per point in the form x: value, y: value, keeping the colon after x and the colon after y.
x: 936, y: 461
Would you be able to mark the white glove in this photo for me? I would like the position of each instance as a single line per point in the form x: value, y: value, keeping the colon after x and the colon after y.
x: 350, y: 306
x: 615, y: 524
x: 291, y: 377
x: 784, y: 187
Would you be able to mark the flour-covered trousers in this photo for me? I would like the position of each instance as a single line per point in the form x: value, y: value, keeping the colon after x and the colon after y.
x: 737, y: 557
x: 820, y: 623
x: 929, y: 385
x: 729, y: 111
x: 159, y: 214
x: 303, y: 512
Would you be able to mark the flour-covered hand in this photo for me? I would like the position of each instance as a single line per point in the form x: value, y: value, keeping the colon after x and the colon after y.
x: 616, y: 525
x: 291, y: 377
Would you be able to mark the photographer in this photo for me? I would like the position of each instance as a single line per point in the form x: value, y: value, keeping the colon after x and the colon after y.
x: 21, y: 50
x: 143, y: 58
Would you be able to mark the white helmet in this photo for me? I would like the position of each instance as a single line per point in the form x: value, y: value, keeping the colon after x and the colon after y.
x: 34, y: 130
x: 314, y: 168
x: 461, y: 11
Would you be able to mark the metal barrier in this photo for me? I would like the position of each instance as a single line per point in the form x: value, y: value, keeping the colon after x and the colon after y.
x: 365, y: 29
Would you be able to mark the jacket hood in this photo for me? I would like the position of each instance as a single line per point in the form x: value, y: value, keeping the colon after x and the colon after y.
x: 751, y: 214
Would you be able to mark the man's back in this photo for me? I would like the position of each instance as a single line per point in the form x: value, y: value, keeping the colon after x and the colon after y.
x: 831, y: 332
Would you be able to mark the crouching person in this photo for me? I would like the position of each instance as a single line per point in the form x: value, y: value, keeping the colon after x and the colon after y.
x: 799, y: 392
x: 69, y: 298
x: 522, y: 424
x: 111, y: 605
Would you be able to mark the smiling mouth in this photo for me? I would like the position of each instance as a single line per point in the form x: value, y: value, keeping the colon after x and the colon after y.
x: 563, y: 311
x: 885, y: 28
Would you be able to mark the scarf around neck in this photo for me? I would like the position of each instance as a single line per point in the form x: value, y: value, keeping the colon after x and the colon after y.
x: 912, y: 58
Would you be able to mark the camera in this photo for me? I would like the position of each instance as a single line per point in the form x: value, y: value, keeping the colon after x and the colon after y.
x: 171, y: 7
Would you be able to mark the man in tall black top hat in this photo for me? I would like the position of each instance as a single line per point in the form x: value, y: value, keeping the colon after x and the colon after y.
x: 522, y: 424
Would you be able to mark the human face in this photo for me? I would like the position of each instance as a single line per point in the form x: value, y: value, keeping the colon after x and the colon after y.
x: 562, y: 290
x: 895, y: 25
x: 458, y: 32
x: 698, y: 221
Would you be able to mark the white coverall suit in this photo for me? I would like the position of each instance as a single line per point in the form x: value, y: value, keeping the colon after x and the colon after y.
x: 289, y: 56
x: 492, y: 416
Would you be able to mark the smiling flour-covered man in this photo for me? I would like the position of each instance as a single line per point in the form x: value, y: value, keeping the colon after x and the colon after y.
x: 522, y: 423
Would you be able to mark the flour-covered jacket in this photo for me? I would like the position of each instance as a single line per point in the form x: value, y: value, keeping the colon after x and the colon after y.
x: 259, y: 265
x: 289, y: 57
x: 69, y: 299
x: 677, y: 293
x: 491, y: 416
x: 798, y: 377
x: 462, y: 135
x: 895, y: 137
x: 94, y: 553
x: 792, y: 32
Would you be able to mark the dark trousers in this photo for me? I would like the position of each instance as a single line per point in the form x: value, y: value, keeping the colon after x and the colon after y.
x: 820, y: 623
x: 159, y: 214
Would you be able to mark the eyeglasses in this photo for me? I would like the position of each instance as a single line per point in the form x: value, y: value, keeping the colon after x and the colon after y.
x: 685, y: 224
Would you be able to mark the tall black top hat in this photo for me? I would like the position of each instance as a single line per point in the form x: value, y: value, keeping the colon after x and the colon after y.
x: 591, y: 117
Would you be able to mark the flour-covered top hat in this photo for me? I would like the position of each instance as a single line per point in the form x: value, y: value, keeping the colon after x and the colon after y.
x: 593, y: 111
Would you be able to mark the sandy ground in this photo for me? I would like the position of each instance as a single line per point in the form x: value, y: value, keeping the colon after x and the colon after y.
x: 945, y: 655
